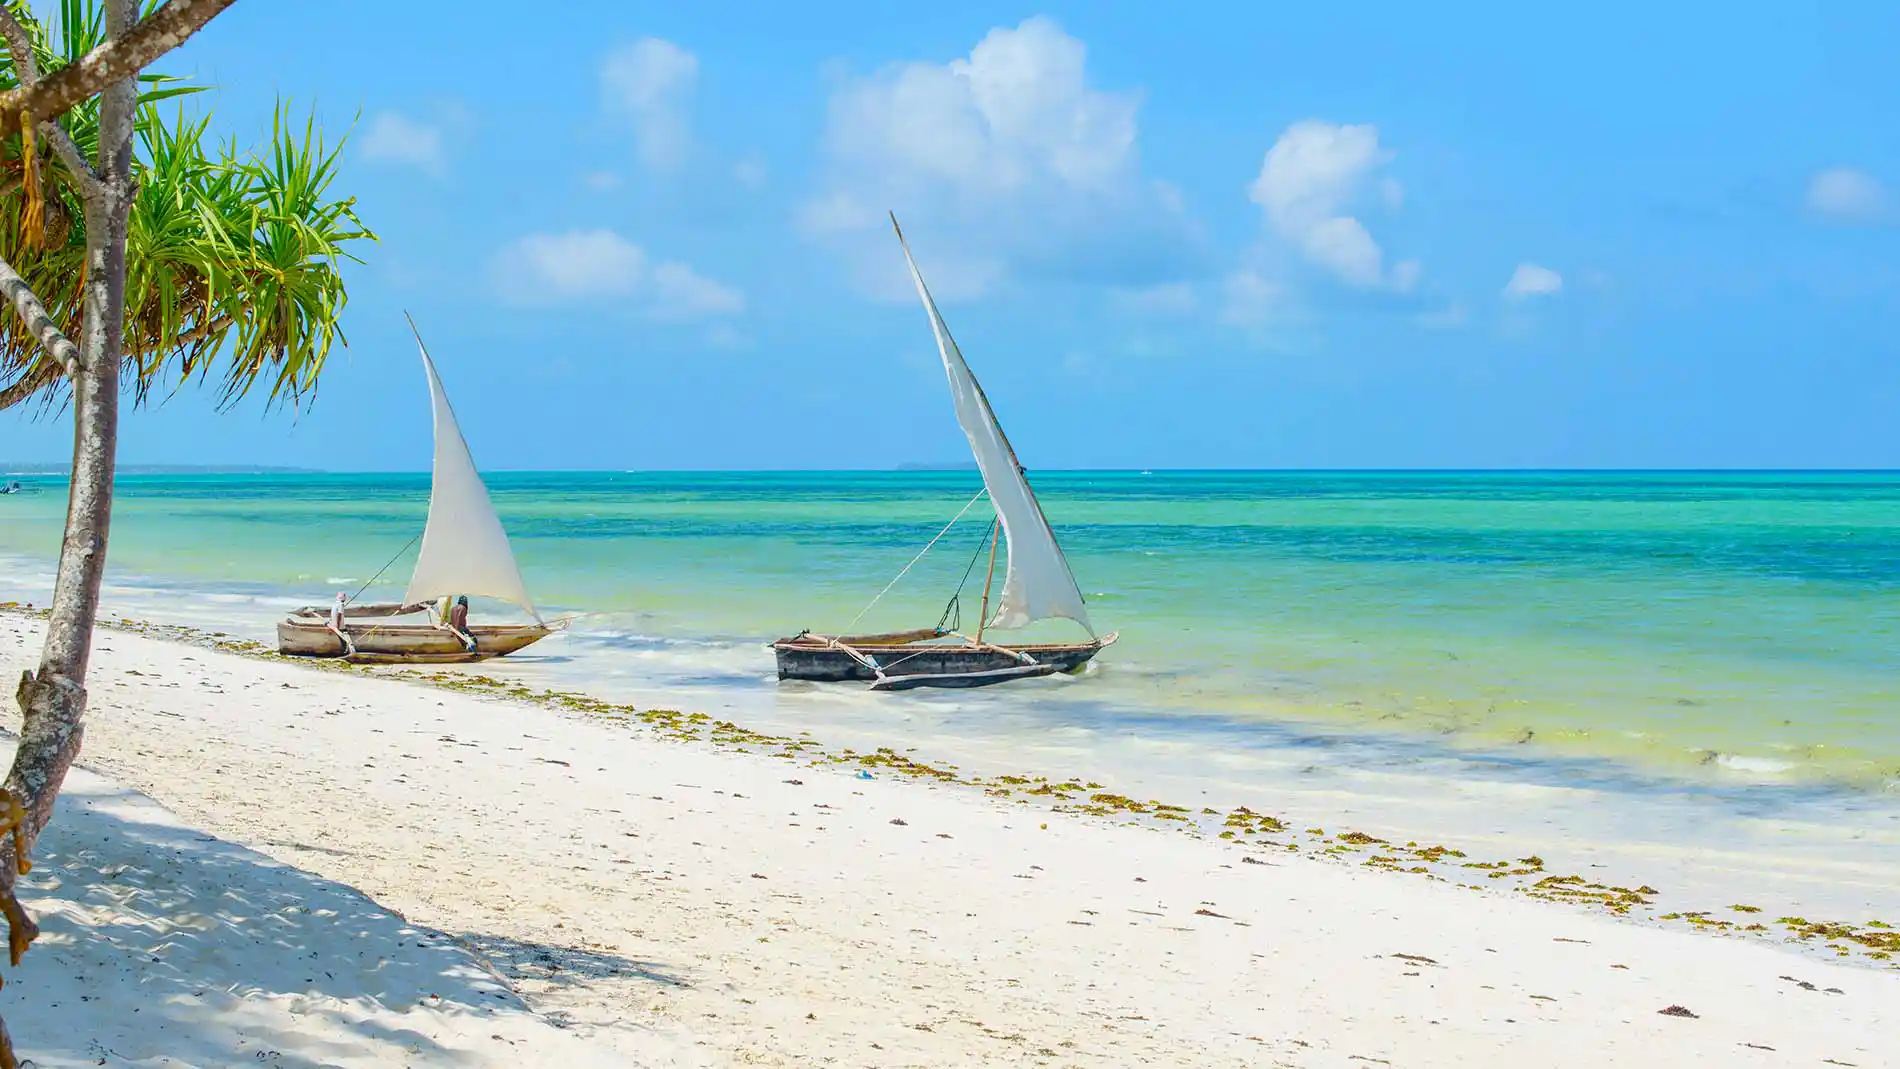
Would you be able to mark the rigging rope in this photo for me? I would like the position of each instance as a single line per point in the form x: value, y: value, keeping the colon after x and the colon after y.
x: 384, y: 568
x: 955, y: 604
x: 913, y: 561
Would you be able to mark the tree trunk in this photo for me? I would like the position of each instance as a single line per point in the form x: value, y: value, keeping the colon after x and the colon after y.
x: 53, y: 698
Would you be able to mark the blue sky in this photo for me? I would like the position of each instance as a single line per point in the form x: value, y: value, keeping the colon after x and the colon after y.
x: 650, y: 236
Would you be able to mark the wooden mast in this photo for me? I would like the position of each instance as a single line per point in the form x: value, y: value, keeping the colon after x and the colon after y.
x: 983, y: 614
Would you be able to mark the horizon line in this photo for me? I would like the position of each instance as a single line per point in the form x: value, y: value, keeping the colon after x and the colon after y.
x: 44, y: 469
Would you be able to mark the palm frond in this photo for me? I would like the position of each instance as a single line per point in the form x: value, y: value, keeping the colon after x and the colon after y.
x: 232, y: 256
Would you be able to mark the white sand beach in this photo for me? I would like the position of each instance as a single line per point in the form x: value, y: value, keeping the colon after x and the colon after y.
x: 650, y: 901
x: 164, y: 946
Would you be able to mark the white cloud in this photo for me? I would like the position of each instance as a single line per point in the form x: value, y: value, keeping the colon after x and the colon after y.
x: 1530, y: 280
x: 1167, y: 298
x: 583, y: 266
x: 650, y: 84
x: 1309, y: 177
x: 578, y: 265
x: 682, y: 293
x: 1405, y: 275
x: 1342, y: 245
x: 601, y: 181
x: 837, y: 213
x: 1009, y: 159
x: 395, y: 138
x: 1450, y: 317
x: 725, y: 336
x: 1018, y: 110
x: 1253, y: 300
x: 1847, y: 195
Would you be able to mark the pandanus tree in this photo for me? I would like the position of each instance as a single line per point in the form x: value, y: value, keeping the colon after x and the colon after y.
x: 140, y: 256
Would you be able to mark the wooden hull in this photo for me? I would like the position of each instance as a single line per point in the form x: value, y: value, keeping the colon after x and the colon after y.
x: 819, y: 659
x: 405, y: 643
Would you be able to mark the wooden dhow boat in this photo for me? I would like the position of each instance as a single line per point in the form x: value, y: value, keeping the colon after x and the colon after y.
x: 1037, y: 582
x: 464, y: 551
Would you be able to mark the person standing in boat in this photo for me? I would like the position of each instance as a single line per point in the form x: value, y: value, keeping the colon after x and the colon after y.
x: 336, y: 623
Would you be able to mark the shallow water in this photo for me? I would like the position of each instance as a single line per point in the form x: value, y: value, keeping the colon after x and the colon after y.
x: 1635, y: 661
x: 1747, y: 621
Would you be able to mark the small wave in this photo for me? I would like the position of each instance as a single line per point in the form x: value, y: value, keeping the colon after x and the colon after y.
x: 335, y: 580
x: 621, y: 637
x: 1754, y: 765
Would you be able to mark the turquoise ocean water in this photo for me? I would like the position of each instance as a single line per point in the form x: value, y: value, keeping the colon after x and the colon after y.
x: 1730, y: 639
x: 1674, y: 620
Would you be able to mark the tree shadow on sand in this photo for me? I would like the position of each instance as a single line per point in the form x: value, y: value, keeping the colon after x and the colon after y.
x: 159, y: 941
x: 549, y: 963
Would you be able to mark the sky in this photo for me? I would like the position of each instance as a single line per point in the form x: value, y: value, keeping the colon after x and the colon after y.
x: 642, y: 236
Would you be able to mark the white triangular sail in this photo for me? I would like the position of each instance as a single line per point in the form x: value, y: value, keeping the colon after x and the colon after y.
x: 464, y: 549
x: 1037, y: 584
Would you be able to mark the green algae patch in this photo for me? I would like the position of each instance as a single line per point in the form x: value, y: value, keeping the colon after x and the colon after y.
x: 1878, y: 938
x: 1244, y: 819
x: 1578, y: 891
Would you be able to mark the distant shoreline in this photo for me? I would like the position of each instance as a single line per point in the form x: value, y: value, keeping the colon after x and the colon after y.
x: 10, y: 468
